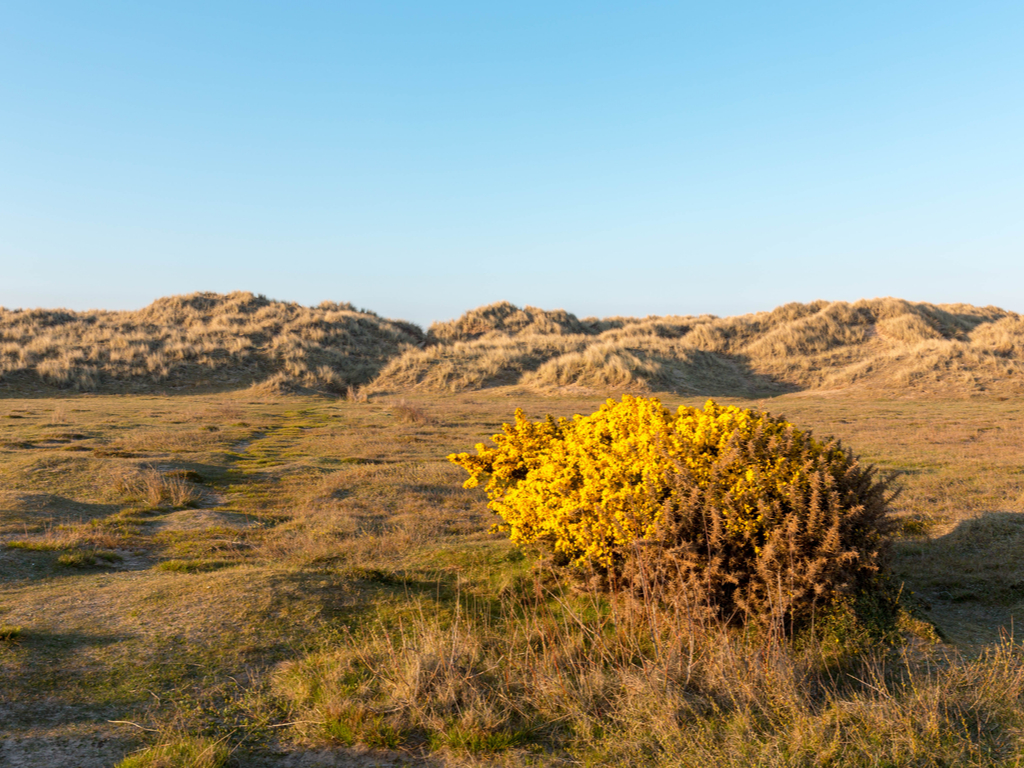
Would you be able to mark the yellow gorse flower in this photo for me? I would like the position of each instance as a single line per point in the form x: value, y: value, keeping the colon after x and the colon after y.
x: 590, y: 485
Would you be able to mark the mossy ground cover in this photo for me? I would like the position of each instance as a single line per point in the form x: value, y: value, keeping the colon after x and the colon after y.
x: 329, y: 584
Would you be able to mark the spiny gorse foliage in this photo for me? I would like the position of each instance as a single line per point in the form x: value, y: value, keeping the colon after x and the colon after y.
x: 203, y: 337
x: 882, y: 343
x: 739, y: 509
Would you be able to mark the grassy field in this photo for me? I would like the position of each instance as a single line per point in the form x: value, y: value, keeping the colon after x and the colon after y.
x: 245, y: 579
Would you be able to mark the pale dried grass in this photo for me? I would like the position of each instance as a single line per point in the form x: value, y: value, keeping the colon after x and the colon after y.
x: 494, y: 359
x: 202, y: 337
x: 507, y: 318
x: 238, y: 339
x: 878, y: 342
x: 613, y: 682
x: 155, y: 489
x: 409, y: 412
x: 69, y: 537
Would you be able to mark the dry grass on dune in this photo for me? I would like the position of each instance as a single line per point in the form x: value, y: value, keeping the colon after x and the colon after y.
x: 238, y: 338
x: 492, y: 360
x: 883, y: 343
x: 508, y: 318
x: 650, y: 364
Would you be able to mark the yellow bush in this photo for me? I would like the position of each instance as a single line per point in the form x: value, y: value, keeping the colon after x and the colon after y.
x: 738, y: 503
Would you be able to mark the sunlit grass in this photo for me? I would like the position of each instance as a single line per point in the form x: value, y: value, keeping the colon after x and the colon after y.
x: 336, y: 585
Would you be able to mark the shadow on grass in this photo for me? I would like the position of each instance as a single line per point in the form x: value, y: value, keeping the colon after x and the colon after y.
x: 203, y: 677
x: 197, y: 472
x: 32, y: 510
x: 54, y: 750
x: 710, y: 374
x: 972, y: 578
x: 28, y: 565
x: 356, y: 591
x: 66, y: 642
x: 44, y: 672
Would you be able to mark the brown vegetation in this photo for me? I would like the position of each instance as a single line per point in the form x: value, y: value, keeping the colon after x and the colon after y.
x: 238, y: 339
x: 239, y: 571
x: 878, y: 343
x: 200, y: 339
x: 337, y: 586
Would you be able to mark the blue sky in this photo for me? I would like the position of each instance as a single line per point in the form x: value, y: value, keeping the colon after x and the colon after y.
x: 421, y: 159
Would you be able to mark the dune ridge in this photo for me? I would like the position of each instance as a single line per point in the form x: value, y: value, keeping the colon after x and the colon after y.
x: 242, y: 339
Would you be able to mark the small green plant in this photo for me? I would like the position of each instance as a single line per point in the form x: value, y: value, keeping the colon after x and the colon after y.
x: 9, y: 632
x: 37, y: 546
x: 184, y: 752
x: 193, y: 566
x: 354, y: 725
x: 77, y: 559
x: 475, y: 740
x: 913, y: 526
x: 87, y: 558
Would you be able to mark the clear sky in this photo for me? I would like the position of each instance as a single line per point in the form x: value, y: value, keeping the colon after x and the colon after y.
x: 423, y: 158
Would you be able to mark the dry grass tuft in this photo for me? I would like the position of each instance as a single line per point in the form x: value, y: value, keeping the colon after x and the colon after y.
x: 356, y: 394
x: 409, y: 412
x: 156, y: 489
x: 67, y: 538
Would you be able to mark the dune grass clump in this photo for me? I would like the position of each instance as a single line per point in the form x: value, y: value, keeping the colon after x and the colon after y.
x: 737, y: 509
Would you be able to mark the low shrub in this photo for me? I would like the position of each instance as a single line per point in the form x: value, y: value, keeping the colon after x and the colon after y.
x: 738, y: 510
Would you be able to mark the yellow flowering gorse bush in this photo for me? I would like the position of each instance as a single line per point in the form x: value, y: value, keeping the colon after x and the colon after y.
x: 590, y: 485
x: 737, y: 498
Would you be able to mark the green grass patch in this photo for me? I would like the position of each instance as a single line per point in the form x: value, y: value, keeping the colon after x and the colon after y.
x: 194, y: 566
x: 181, y: 753
x: 38, y: 546
x: 88, y: 558
x: 477, y: 741
x: 77, y: 560
x: 355, y: 725
x: 374, y: 575
x: 375, y: 610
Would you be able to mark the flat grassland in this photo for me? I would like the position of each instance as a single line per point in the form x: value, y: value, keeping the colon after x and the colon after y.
x: 250, y: 578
